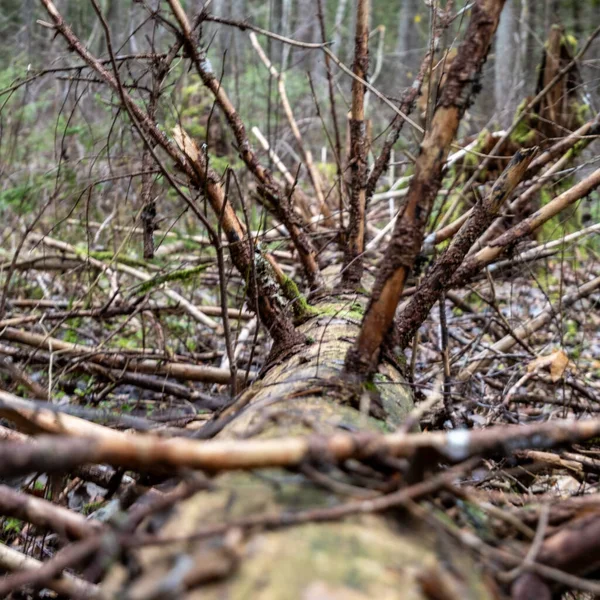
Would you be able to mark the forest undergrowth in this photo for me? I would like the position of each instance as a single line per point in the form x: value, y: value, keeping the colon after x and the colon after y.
x: 212, y: 337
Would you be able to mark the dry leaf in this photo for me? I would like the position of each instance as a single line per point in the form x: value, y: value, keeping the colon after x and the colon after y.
x: 557, y: 362
x: 558, y: 365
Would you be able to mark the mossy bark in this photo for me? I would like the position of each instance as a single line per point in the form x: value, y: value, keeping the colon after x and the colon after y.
x: 366, y: 556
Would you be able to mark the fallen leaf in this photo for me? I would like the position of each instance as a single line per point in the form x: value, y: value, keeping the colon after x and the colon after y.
x: 558, y: 365
x: 557, y: 362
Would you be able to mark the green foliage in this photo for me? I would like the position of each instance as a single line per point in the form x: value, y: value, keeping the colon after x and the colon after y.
x: 19, y: 198
x: 90, y: 507
x: 11, y: 527
x: 221, y: 163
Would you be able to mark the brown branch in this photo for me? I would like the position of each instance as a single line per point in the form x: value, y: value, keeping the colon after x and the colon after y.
x: 406, y: 105
x: 276, y: 196
x: 159, y: 70
x: 46, y: 515
x: 494, y: 249
x: 101, y: 312
x: 372, y: 89
x: 34, y: 418
x: 313, y: 173
x: 355, y: 245
x: 574, y: 549
x: 337, y: 146
x: 587, y: 133
x: 148, y: 216
x: 148, y: 452
x: 531, y: 104
x: 20, y: 376
x: 49, y: 574
x: 437, y: 280
x: 117, y: 360
x: 244, y: 25
x: 582, y: 137
x: 461, y: 84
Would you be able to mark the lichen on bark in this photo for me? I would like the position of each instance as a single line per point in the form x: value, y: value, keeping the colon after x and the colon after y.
x: 359, y: 557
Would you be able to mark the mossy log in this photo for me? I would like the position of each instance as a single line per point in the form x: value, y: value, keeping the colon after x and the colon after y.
x: 384, y: 556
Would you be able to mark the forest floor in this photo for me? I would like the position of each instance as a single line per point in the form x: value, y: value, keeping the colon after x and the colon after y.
x: 110, y: 327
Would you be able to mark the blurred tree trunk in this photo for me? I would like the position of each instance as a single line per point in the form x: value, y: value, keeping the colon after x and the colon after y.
x: 505, y: 56
x: 338, y: 25
x: 409, y: 43
x: 26, y: 10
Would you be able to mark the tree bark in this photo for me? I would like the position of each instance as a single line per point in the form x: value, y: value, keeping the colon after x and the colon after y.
x: 400, y: 255
x: 387, y: 555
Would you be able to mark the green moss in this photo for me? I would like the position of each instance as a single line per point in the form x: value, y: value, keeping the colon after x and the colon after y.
x: 91, y: 507
x: 401, y: 360
x: 355, y: 312
x: 179, y: 275
x: 525, y: 132
x: 370, y: 387
x: 570, y: 42
x: 582, y: 111
x: 302, y: 309
x: 108, y: 256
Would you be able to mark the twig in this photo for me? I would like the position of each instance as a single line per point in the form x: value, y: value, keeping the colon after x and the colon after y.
x: 147, y: 452
x: 533, y: 102
x: 118, y: 360
x: 315, y: 178
x: 243, y: 25
x: 486, y: 255
x: 195, y: 165
x: 527, y: 329
x: 437, y: 280
x: 48, y: 574
x: 276, y: 196
x: 44, y: 514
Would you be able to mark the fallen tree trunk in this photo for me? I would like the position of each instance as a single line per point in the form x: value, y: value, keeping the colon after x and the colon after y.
x: 377, y: 554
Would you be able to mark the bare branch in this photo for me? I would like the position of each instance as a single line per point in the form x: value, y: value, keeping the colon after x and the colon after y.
x: 409, y: 230
x: 437, y: 281
x: 494, y: 249
x: 355, y: 245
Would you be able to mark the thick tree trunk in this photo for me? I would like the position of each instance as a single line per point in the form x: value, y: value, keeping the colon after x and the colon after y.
x: 365, y: 556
